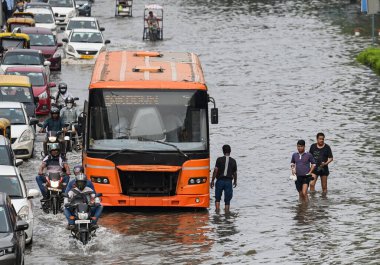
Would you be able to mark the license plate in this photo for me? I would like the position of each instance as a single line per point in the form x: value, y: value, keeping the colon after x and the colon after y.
x: 87, y: 56
x: 82, y: 221
x: 54, y: 189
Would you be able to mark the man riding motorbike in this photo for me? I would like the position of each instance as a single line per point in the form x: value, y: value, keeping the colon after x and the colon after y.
x: 69, y: 113
x: 77, y: 170
x: 54, y: 123
x: 61, y: 95
x: 55, y: 163
x: 81, y: 188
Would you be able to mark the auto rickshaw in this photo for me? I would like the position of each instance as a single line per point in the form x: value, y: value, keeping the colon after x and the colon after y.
x: 153, y: 31
x: 23, y: 14
x: 123, y: 8
x: 5, y: 128
x: 19, y: 22
x: 9, y: 41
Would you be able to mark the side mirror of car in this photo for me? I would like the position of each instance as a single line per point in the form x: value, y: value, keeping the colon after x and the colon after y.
x: 52, y: 97
x: 52, y: 84
x: 47, y: 63
x: 33, y: 121
x: 102, y: 29
x: 59, y: 44
x: 36, y: 99
x: 65, y: 40
x: 214, y: 116
x: 19, y: 162
x: 40, y: 124
x: 33, y: 193
x: 107, y: 42
x: 21, y: 226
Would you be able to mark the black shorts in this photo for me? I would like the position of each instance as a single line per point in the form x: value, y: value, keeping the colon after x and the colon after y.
x: 300, y: 181
x: 321, y: 172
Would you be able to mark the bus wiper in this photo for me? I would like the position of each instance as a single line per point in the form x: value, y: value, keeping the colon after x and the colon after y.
x: 125, y: 150
x: 161, y: 142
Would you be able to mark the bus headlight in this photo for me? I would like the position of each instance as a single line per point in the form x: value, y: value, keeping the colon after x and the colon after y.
x: 100, y: 180
x: 198, y: 180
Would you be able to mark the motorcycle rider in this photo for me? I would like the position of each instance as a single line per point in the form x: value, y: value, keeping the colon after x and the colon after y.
x: 77, y: 170
x: 61, y: 95
x: 81, y: 188
x: 54, y: 123
x: 69, y: 115
x: 55, y: 163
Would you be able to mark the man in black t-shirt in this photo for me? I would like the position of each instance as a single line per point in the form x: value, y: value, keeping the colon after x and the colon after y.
x: 323, y: 156
x: 225, y: 172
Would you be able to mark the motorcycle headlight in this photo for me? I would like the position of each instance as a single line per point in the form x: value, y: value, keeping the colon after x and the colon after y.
x: 70, y: 49
x: 52, y: 139
x: 24, y: 213
x: 54, y: 183
x: 43, y: 95
x: 27, y: 135
x: 83, y: 216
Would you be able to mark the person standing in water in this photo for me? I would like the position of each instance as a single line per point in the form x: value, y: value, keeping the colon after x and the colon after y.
x: 225, y: 173
x: 302, y: 165
x: 323, y: 156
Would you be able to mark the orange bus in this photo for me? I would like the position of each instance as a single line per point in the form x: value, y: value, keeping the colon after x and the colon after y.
x: 146, y: 129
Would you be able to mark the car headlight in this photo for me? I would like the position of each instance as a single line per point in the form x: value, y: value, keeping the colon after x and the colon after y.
x: 26, y: 136
x: 24, y: 213
x: 43, y: 95
x: 6, y: 251
x: 70, y: 49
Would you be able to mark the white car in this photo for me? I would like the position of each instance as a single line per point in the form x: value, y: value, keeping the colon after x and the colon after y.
x: 22, y: 131
x: 81, y: 23
x: 64, y: 10
x: 12, y: 183
x: 85, y: 43
x: 44, y: 18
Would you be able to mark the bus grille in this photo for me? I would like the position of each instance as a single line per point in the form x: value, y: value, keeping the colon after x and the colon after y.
x: 148, y: 184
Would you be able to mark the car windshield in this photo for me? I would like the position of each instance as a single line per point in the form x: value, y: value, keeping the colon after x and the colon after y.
x: 75, y: 24
x: 11, y: 186
x: 134, y: 119
x: 61, y: 3
x: 15, y: 116
x: 5, y: 159
x: 22, y: 59
x: 42, y: 39
x: 16, y: 94
x: 4, y: 226
x: 37, y: 79
x: 88, y: 37
x: 43, y: 18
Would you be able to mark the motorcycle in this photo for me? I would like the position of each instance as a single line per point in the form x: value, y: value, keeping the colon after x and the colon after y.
x: 52, y: 137
x: 71, y: 137
x: 54, y: 187
x: 82, y: 214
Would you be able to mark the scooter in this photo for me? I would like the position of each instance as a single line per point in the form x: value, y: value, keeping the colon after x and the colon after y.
x: 82, y: 214
x: 54, y: 187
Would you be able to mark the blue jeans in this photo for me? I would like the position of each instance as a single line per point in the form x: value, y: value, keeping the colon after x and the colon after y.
x: 96, y: 211
x: 42, y: 179
x: 226, y: 186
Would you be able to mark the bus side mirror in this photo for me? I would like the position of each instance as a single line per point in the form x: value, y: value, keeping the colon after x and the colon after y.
x: 214, y: 116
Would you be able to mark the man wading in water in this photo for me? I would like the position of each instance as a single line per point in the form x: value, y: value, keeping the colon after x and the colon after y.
x: 323, y: 156
x: 225, y: 171
x: 300, y: 165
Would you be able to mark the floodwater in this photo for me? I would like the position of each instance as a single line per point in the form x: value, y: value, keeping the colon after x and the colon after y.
x: 279, y: 71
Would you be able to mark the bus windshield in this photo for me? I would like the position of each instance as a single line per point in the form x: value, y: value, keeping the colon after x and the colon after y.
x: 141, y: 119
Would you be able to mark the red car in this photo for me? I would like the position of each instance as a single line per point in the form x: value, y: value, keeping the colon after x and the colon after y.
x: 44, y: 40
x: 40, y: 84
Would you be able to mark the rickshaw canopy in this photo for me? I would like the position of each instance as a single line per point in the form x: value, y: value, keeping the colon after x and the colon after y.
x: 23, y: 14
x: 15, y: 22
x: 5, y: 128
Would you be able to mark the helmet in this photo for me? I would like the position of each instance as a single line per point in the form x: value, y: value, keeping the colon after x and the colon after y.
x: 54, y: 147
x: 62, y: 88
x: 80, y: 181
x: 78, y: 169
x: 54, y: 110
x: 69, y: 101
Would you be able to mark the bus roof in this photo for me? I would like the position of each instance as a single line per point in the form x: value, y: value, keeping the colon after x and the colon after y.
x: 14, y: 80
x: 147, y: 70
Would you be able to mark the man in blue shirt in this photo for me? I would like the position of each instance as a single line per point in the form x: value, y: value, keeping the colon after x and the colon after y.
x: 54, y: 123
x: 302, y: 165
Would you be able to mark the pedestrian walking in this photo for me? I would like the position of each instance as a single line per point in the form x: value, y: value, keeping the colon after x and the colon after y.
x: 323, y: 156
x: 302, y: 165
x: 225, y: 173
x: 8, y: 8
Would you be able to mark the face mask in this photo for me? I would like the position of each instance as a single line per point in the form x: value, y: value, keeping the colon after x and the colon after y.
x: 69, y: 105
x: 63, y: 91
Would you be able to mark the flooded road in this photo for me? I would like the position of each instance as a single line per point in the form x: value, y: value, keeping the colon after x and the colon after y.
x: 279, y: 71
